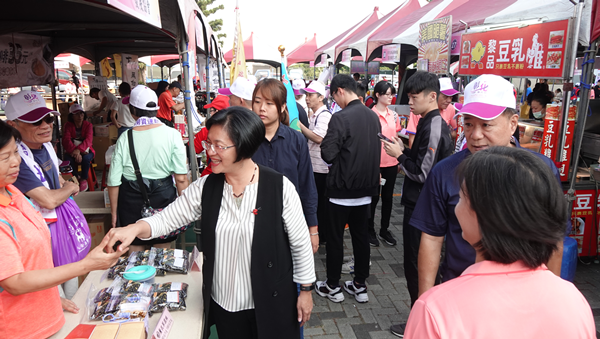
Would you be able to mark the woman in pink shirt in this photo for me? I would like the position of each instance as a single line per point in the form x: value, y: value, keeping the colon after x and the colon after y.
x: 514, y: 217
x: 390, y: 126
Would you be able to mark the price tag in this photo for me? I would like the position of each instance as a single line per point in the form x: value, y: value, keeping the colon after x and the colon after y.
x: 196, y: 262
x: 176, y: 286
x: 178, y: 262
x: 172, y: 297
x: 163, y: 328
x: 178, y: 253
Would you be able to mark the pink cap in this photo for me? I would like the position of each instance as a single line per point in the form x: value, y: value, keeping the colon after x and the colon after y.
x: 487, y: 97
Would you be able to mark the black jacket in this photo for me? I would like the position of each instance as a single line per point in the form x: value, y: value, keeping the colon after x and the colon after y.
x: 432, y: 143
x: 353, y: 149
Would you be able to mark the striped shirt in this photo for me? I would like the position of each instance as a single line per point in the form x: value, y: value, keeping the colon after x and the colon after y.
x: 232, y: 285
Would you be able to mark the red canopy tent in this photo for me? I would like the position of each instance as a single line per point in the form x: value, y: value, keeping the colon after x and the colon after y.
x: 165, y: 60
x: 248, y: 50
x: 595, y: 21
x: 303, y: 53
x: 358, y: 40
x: 329, y: 48
x: 82, y: 60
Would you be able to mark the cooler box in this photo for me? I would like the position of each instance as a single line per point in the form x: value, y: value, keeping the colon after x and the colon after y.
x: 569, y: 259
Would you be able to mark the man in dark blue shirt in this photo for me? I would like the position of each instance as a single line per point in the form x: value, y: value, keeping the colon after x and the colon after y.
x: 490, y: 119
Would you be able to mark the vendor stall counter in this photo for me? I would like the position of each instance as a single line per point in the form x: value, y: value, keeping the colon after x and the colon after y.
x: 186, y: 324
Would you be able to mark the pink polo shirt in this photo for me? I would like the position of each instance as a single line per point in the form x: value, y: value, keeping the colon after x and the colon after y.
x: 447, y: 114
x: 390, y: 126
x: 495, y: 301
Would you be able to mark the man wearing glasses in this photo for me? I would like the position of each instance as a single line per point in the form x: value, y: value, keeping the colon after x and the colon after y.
x: 39, y: 176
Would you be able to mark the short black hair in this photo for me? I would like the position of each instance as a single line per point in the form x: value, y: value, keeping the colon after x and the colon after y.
x: 244, y: 128
x: 94, y: 90
x: 520, y: 206
x: 361, y: 89
x: 7, y: 133
x: 124, y: 88
x: 381, y: 88
x: 528, y: 82
x: 423, y: 82
x: 356, y: 75
x: 143, y: 112
x: 342, y: 81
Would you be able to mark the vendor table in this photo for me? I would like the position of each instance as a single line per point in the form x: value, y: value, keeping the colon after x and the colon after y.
x: 186, y: 324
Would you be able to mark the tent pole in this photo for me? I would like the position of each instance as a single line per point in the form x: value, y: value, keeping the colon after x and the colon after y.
x: 151, y: 74
x: 208, y: 78
x: 188, y: 109
x: 162, y: 75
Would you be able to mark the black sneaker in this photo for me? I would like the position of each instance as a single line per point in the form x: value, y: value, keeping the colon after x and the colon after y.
x: 398, y: 330
x: 325, y: 291
x: 373, y: 239
x: 387, y: 237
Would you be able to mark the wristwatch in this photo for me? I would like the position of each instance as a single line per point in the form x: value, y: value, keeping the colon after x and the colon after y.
x: 307, y: 288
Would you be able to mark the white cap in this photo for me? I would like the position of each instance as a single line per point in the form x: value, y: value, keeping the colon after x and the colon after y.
x: 488, y: 96
x: 142, y: 96
x: 316, y: 87
x: 241, y: 87
x: 75, y: 108
x: 27, y: 106
x: 446, y: 87
x: 298, y: 85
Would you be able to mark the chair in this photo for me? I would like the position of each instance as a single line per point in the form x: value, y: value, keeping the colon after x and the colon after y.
x: 92, y: 179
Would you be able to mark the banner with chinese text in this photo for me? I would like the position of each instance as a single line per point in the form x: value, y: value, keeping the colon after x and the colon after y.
x: 322, y: 60
x: 390, y: 53
x: 25, y: 60
x: 346, y: 55
x: 537, y: 51
x: 434, y: 37
x: 583, y: 220
x: 130, y: 69
x: 145, y: 10
x: 550, y: 137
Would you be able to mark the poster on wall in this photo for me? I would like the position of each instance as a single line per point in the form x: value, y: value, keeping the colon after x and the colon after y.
x: 98, y: 82
x: 25, y: 60
x: 390, y: 53
x: 433, y: 46
x: 537, y: 51
x: 130, y: 69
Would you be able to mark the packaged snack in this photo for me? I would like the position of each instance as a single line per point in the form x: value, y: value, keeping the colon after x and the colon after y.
x: 176, y: 261
x: 172, y: 286
x: 115, y: 271
x: 138, y: 287
x: 103, y: 294
x: 173, y: 301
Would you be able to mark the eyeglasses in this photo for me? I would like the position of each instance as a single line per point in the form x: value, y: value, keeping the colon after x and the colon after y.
x: 215, y: 149
x: 49, y: 119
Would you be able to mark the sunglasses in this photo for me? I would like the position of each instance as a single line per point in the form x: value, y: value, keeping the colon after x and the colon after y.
x: 49, y: 119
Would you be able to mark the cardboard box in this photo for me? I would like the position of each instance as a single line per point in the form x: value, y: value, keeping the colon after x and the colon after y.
x: 132, y: 330
x: 99, y: 225
x: 101, y: 144
x: 101, y: 130
x: 106, y: 331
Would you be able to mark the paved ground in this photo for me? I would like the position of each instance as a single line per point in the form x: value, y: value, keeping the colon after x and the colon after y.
x: 389, y: 302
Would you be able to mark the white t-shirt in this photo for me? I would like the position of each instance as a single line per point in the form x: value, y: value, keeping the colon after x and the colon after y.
x: 124, y: 115
x: 111, y: 100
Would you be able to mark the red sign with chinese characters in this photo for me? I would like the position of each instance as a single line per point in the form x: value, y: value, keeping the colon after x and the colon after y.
x: 550, y: 138
x: 536, y: 51
x: 583, y: 220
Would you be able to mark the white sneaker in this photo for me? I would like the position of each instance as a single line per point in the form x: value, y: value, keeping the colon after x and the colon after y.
x: 359, y: 293
x: 324, y: 291
x: 348, y: 266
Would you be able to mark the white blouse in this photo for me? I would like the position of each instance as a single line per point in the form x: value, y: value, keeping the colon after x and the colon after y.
x: 232, y: 285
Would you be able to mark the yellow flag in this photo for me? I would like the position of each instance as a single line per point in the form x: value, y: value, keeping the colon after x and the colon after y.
x: 117, y: 58
x: 105, y: 68
x: 238, y: 63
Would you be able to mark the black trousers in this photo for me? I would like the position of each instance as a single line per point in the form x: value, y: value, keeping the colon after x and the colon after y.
x: 356, y: 217
x: 322, y: 215
x: 234, y: 325
x: 412, y: 240
x: 387, y: 197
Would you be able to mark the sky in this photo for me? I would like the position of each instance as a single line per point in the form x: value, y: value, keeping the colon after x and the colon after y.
x: 289, y: 23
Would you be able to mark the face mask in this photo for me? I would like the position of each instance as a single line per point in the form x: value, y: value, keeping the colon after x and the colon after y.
x: 537, y: 115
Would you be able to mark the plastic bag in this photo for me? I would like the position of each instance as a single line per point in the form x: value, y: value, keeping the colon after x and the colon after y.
x: 71, y: 239
x: 173, y: 301
x: 172, y: 286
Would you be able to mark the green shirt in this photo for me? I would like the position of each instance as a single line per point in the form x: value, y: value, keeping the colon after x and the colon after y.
x: 160, y: 152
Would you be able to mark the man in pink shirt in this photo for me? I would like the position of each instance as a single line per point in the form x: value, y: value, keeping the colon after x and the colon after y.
x: 447, y: 111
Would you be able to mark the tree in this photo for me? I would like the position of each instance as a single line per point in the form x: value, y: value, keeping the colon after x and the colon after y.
x: 216, y: 24
x: 308, y: 72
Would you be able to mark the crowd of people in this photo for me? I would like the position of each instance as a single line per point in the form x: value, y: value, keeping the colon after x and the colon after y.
x: 270, y: 196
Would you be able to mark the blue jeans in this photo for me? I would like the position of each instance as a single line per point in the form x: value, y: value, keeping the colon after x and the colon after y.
x: 122, y: 129
x: 86, y: 160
